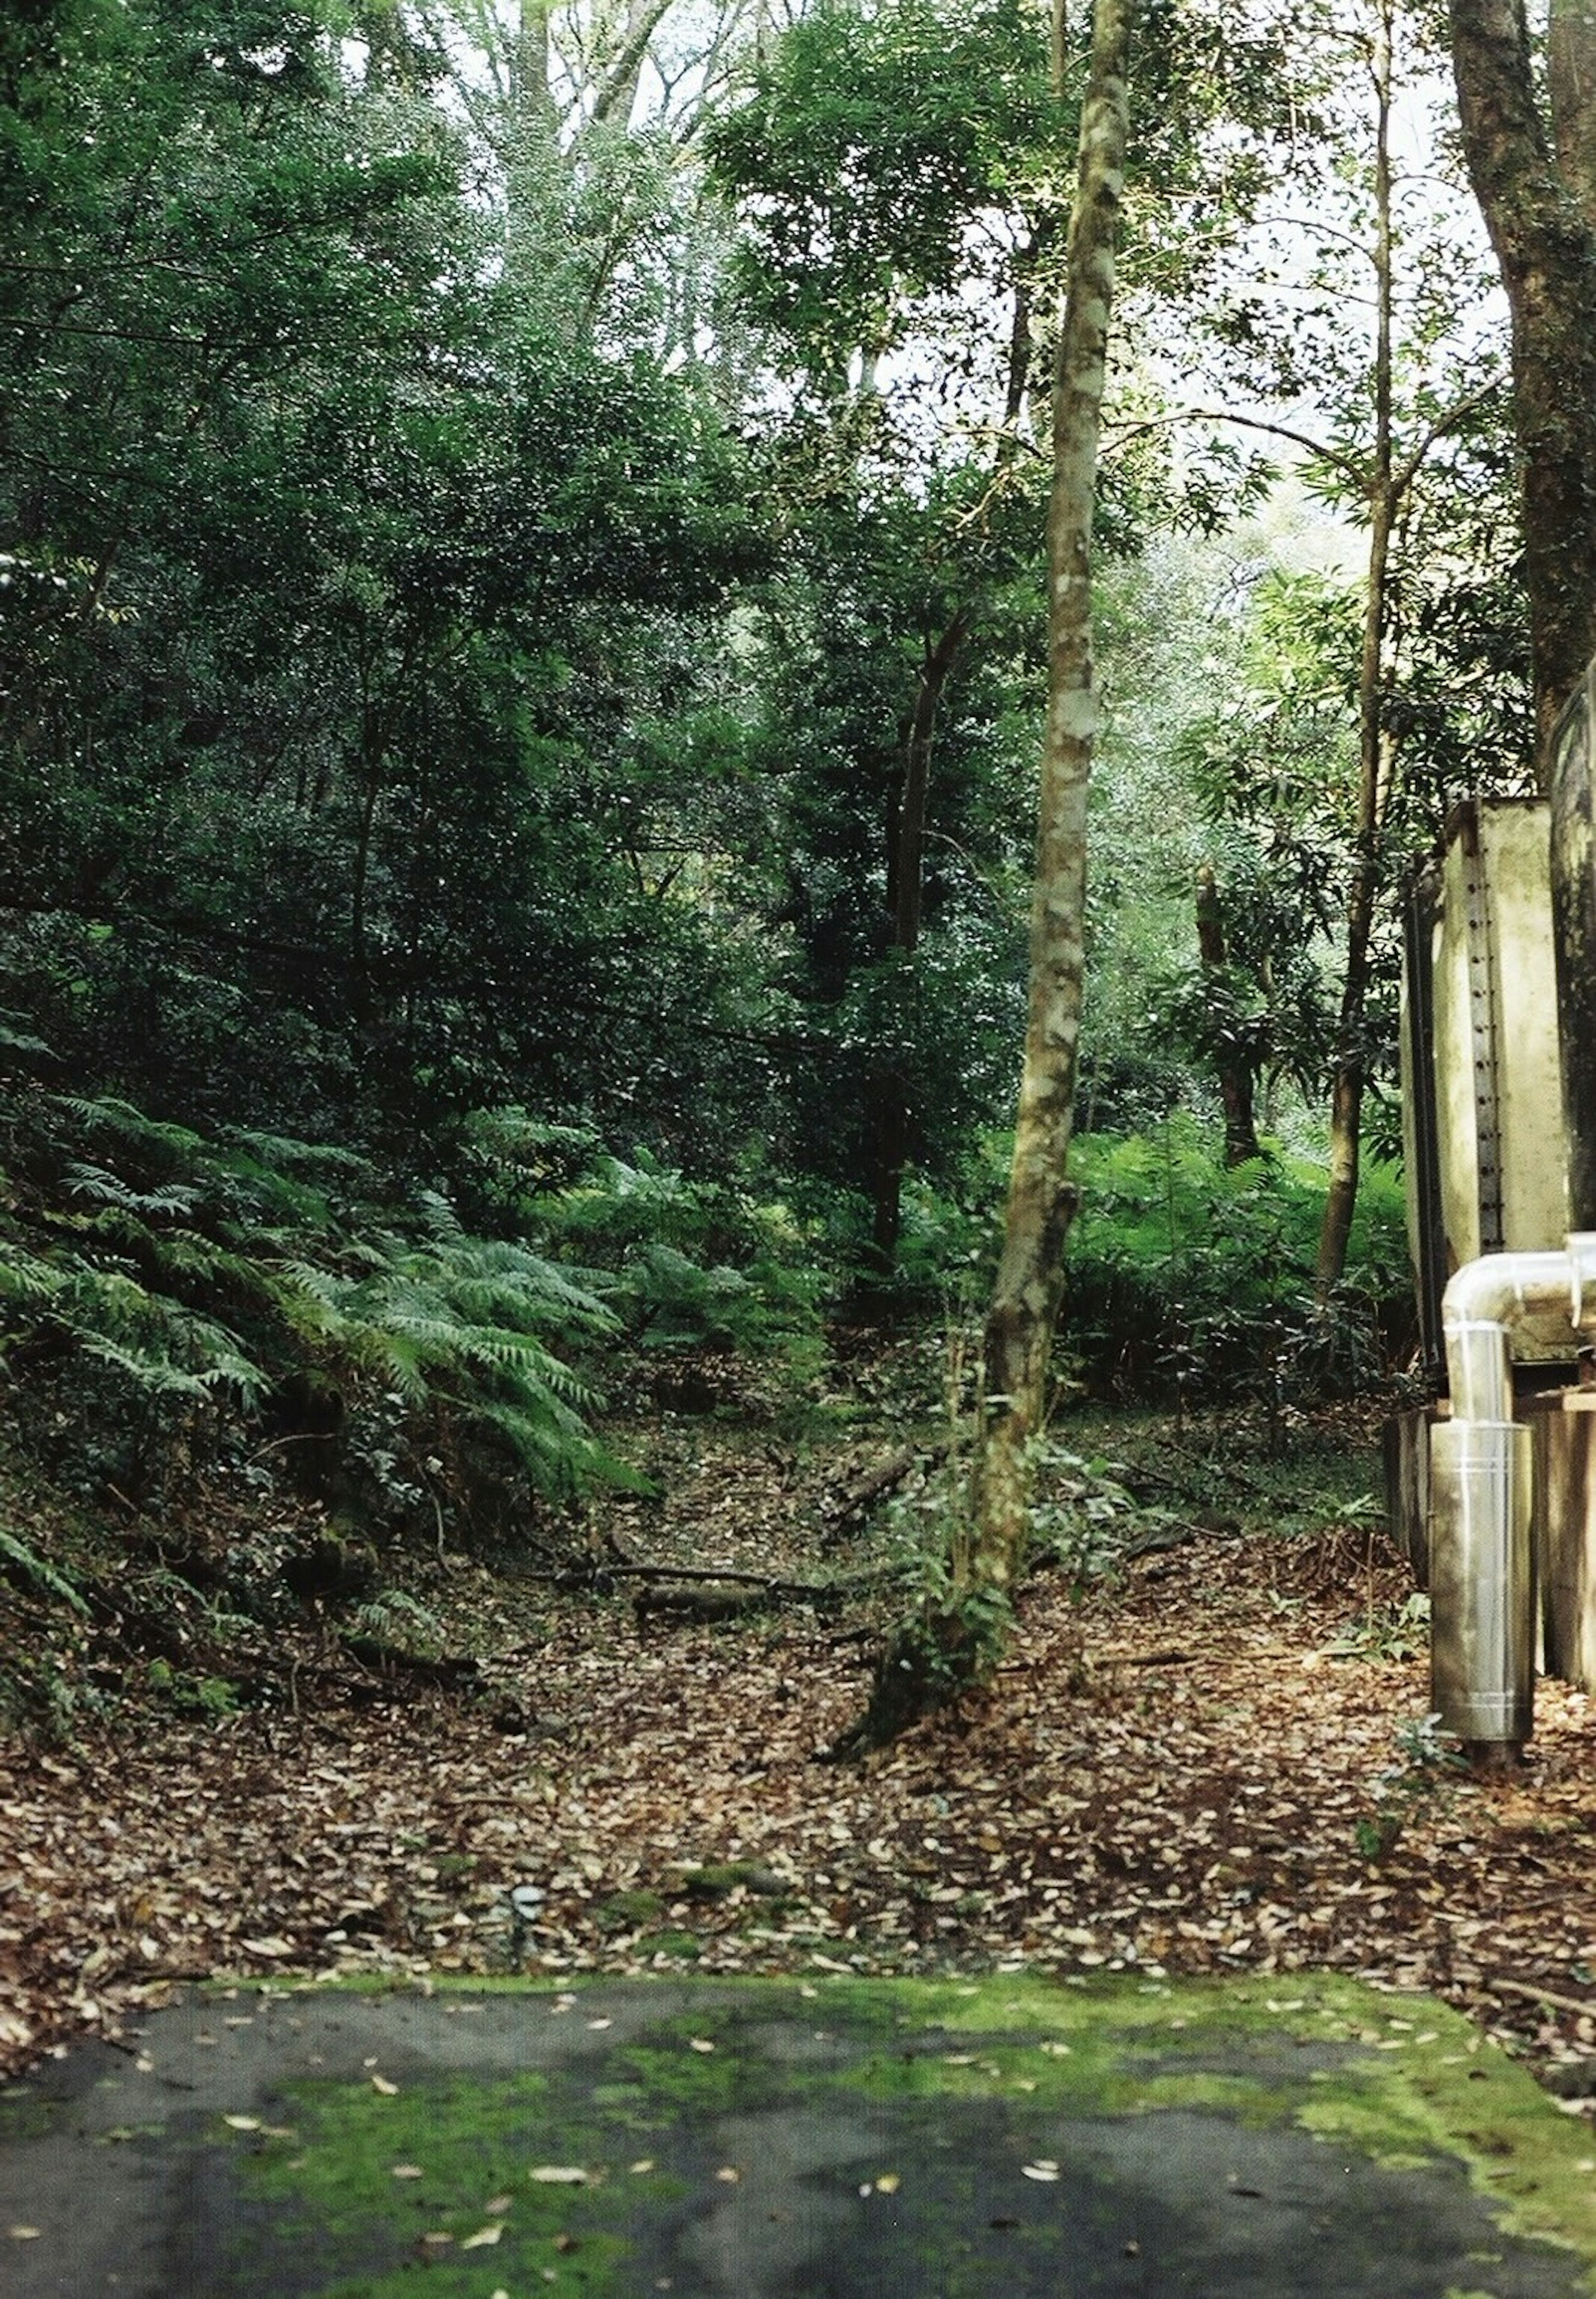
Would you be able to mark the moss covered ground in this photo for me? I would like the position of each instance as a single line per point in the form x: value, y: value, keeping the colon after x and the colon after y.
x: 955, y: 2137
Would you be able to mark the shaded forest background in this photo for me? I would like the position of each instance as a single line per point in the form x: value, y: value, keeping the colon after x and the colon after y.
x: 523, y: 653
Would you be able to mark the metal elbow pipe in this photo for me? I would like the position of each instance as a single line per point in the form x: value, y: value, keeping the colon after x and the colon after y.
x: 1481, y: 1303
x: 1481, y: 1573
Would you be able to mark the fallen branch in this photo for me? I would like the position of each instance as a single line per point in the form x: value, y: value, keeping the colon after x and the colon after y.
x: 389, y: 1660
x: 1532, y: 1995
x: 829, y: 1589
x: 855, y: 1505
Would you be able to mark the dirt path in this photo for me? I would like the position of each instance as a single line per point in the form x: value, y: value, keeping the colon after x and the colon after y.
x: 1203, y: 1803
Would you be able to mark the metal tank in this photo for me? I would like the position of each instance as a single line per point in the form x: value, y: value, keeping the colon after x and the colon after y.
x: 1499, y: 1275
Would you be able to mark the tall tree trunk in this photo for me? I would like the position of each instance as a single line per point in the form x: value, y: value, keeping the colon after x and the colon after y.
x: 1030, y: 1279
x: 906, y: 885
x: 530, y: 86
x: 909, y: 861
x: 957, y: 1639
x: 1346, y: 1091
x: 1571, y: 95
x: 617, y: 92
x: 1545, y: 244
x: 1235, y: 1071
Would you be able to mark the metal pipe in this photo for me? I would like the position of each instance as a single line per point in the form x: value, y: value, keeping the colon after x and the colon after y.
x: 1481, y: 1582
x: 1482, y: 1567
x: 1482, y: 1302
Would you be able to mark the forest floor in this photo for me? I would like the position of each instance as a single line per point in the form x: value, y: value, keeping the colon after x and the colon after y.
x: 1222, y: 1786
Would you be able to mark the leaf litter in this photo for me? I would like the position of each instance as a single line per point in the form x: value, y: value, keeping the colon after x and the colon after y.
x: 1198, y: 1805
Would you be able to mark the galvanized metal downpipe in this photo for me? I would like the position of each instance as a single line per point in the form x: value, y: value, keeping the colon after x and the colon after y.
x: 1482, y: 1565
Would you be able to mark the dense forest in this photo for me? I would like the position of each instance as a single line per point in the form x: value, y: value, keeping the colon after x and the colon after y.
x: 528, y: 639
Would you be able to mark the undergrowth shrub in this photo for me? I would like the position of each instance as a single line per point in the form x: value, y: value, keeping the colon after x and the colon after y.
x: 1188, y: 1278
x: 165, y: 1297
x: 679, y: 1263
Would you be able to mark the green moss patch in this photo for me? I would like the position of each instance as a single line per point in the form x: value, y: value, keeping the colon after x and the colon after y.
x: 445, y: 2177
x: 597, y: 2137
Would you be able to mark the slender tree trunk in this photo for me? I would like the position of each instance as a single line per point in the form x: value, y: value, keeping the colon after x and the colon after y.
x: 618, y: 90
x: 1571, y: 93
x: 1373, y: 749
x: 1030, y: 1279
x: 906, y: 884
x: 1235, y: 1071
x: 909, y: 872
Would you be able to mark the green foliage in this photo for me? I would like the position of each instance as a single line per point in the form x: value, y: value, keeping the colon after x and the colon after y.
x: 341, y: 581
x: 212, y: 1281
x: 1413, y: 1787
x: 868, y: 142
x: 1082, y: 1517
x: 681, y: 1262
x: 19, y: 1560
x: 196, y: 1696
x: 1389, y: 1632
x: 1186, y: 1279
x: 397, y: 1619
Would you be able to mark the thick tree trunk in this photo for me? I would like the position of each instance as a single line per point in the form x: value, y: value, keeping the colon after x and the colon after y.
x: 1546, y: 247
x: 1235, y: 1073
x: 1030, y: 1279
x: 1346, y: 1092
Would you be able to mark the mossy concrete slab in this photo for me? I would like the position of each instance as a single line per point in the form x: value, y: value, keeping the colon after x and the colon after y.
x: 816, y: 2138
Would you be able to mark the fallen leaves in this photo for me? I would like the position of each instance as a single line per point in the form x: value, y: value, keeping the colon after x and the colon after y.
x: 1189, y: 1819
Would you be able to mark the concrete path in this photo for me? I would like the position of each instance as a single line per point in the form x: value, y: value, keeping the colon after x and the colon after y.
x: 822, y: 2138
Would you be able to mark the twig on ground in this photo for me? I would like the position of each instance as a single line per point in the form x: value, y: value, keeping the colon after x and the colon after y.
x: 852, y: 1506
x: 1533, y: 1995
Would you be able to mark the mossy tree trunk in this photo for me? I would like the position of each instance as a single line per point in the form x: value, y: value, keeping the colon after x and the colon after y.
x: 1030, y: 1279
x: 957, y: 1639
x: 1530, y: 160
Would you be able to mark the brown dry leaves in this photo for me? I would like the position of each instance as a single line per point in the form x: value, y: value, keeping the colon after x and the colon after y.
x: 1182, y: 1814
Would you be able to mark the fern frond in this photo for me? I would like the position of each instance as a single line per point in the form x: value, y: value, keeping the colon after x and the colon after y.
x: 533, y: 1366
x: 94, y: 1181
x: 28, y: 1281
x: 280, y: 1151
x: 157, y: 1374
x: 106, y: 1114
x: 42, y: 1573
